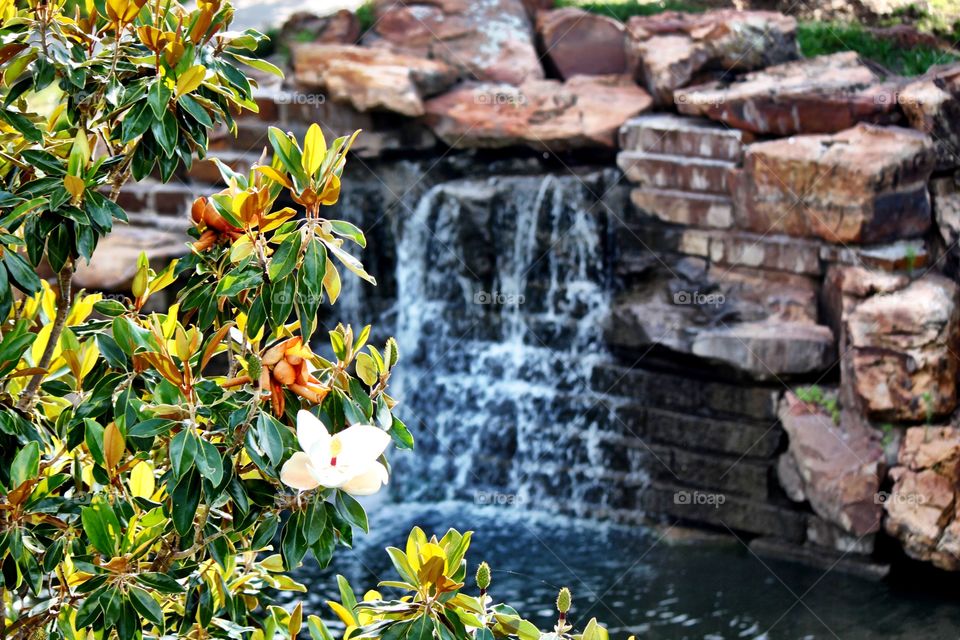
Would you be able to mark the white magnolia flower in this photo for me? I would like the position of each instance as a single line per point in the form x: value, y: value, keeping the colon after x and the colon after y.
x: 346, y: 460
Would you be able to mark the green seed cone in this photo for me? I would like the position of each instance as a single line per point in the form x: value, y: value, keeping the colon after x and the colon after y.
x: 483, y: 575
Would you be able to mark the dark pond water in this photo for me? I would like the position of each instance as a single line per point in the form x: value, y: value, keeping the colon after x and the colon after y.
x: 640, y: 581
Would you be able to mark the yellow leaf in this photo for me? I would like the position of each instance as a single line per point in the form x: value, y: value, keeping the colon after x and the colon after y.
x: 190, y: 79
x: 296, y: 621
x: 142, y: 482
x: 113, y: 445
x: 40, y: 343
x: 276, y: 176
x: 276, y: 219
x: 331, y: 282
x: 75, y: 186
x: 343, y: 613
x: 314, y: 149
x: 165, y: 279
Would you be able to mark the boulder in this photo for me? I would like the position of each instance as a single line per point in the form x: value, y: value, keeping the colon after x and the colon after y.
x: 768, y: 350
x: 945, y: 198
x: 370, y: 79
x: 825, y: 94
x: 865, y: 184
x: 760, y: 323
x: 839, y: 464
x: 672, y: 48
x: 577, y: 42
x: 114, y: 263
x: 932, y: 448
x: 487, y: 40
x: 921, y: 514
x: 932, y: 105
x: 584, y: 111
x: 342, y: 27
x: 667, y: 63
x: 903, y: 350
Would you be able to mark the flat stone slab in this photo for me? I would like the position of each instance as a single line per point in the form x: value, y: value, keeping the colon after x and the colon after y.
x: 867, y: 184
x: 685, y: 207
x: 371, y: 79
x: 661, y: 171
x: 584, y: 111
x: 671, y: 134
x: 825, y: 94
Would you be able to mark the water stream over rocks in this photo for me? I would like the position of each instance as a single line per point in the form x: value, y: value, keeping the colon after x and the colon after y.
x: 497, y: 295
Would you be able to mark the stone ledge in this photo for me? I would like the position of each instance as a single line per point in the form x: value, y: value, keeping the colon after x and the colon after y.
x: 683, y: 136
x: 661, y: 171
x: 738, y: 514
x: 669, y: 391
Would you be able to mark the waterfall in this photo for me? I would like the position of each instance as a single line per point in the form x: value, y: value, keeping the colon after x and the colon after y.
x: 498, y: 294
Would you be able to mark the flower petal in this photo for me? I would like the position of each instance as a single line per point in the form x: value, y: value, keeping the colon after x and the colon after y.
x: 296, y: 472
x: 310, y: 431
x: 368, y: 482
x: 331, y: 477
x: 361, y: 444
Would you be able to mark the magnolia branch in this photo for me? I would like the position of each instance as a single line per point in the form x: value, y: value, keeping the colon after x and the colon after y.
x: 64, y: 281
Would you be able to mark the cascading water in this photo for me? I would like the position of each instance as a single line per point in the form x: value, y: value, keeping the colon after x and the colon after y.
x: 500, y: 288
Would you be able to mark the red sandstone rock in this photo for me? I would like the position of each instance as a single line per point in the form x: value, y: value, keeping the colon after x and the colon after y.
x: 576, y: 42
x: 903, y: 358
x: 839, y: 465
x: 488, y: 40
x: 370, y: 78
x: 825, y: 94
x: 922, y: 509
x: 932, y: 105
x: 671, y: 48
x: 866, y: 184
x: 584, y: 111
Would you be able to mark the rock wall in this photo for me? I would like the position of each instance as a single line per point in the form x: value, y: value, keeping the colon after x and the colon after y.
x: 778, y: 244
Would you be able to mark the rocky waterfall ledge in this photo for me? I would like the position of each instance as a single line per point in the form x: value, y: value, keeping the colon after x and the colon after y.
x: 737, y: 266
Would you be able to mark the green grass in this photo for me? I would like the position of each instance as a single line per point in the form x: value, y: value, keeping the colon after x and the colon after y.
x: 819, y: 38
x: 623, y: 10
x: 365, y: 15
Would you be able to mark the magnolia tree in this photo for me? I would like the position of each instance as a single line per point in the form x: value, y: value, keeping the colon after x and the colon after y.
x: 151, y: 462
x: 160, y: 473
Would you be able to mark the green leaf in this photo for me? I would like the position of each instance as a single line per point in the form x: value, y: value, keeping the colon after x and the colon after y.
x: 270, y: 438
x: 284, y: 260
x: 347, y: 230
x: 136, y: 121
x: 21, y: 273
x: 131, y: 337
x: 146, y: 606
x: 185, y: 499
x: 102, y: 527
x: 209, y: 462
x: 158, y: 96
x: 183, y: 451
x: 194, y: 108
x: 93, y: 438
x: 111, y: 308
x: 160, y: 582
x: 314, y: 266
x: 352, y: 511
x: 400, y: 434
x: 26, y: 464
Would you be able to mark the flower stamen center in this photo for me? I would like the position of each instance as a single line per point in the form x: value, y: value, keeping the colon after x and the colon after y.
x: 335, y: 448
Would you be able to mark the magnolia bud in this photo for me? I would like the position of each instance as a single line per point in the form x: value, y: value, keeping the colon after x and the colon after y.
x: 483, y: 575
x: 564, y: 600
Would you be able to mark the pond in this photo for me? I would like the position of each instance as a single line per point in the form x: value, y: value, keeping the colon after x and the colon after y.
x: 645, y: 581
